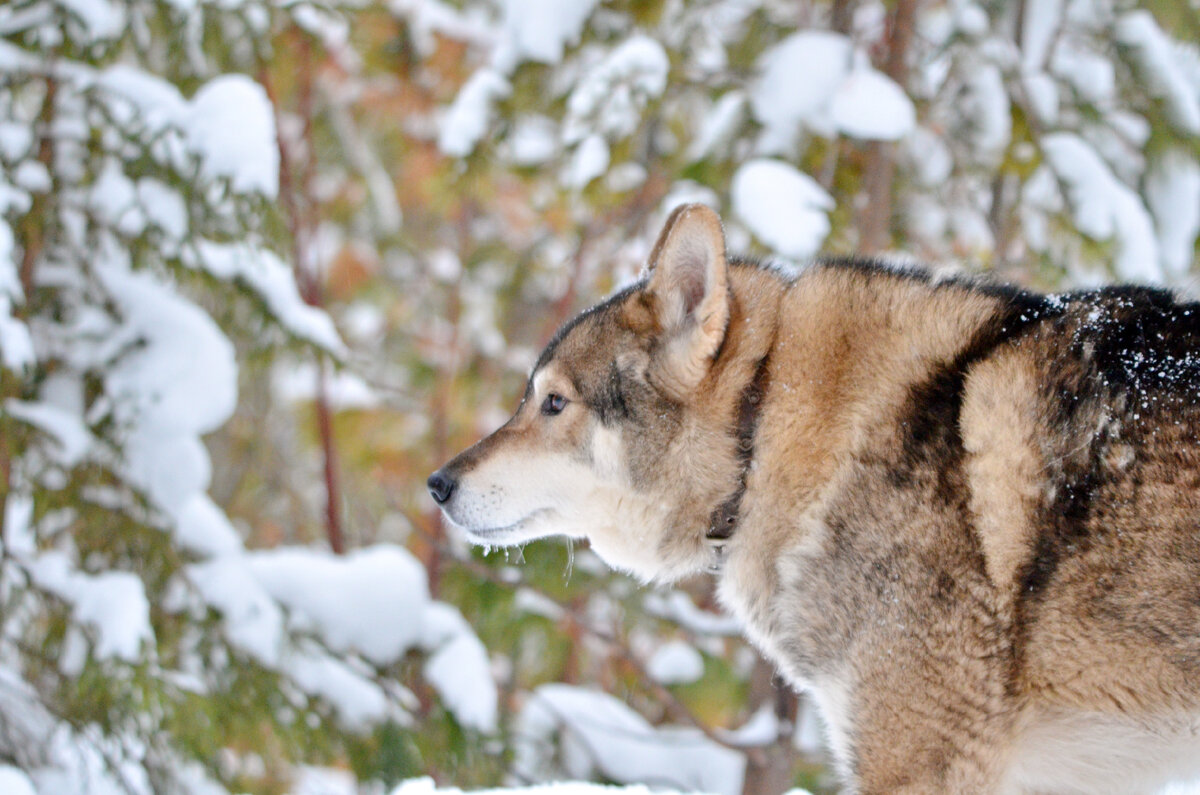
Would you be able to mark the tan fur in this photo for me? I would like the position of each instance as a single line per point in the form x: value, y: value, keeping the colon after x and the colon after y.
x: 971, y: 527
x: 1005, y: 461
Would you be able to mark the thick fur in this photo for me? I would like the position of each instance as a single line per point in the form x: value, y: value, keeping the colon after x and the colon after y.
x: 972, y: 523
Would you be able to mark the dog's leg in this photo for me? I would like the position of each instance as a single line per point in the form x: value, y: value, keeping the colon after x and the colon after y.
x: 935, y: 757
x: 928, y: 724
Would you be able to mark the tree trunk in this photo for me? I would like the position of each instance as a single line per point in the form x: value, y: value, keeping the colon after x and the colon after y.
x: 880, y: 171
x: 770, y: 768
x: 333, y: 507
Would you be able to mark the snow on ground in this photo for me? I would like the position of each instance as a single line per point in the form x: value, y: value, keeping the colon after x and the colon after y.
x: 675, y: 663
x: 598, y: 734
x: 426, y: 786
x: 327, y: 781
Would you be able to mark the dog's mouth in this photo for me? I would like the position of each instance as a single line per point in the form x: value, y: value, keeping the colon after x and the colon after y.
x: 501, y: 534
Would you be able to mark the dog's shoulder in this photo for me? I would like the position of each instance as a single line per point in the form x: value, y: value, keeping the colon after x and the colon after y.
x: 1065, y: 424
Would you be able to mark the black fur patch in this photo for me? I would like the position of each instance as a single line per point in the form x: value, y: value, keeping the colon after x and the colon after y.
x: 1132, y: 346
x: 608, y: 401
x: 931, y: 439
x: 932, y: 442
x: 1067, y: 531
x: 1140, y: 337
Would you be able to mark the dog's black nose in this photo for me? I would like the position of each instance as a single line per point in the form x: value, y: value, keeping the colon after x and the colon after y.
x: 440, y: 486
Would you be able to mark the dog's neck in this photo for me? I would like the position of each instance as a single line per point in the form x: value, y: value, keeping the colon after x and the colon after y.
x: 723, y: 521
x: 744, y: 358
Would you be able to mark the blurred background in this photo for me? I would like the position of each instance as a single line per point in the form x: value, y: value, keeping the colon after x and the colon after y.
x: 265, y: 264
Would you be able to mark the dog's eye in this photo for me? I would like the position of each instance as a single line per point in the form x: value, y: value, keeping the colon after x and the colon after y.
x: 553, y: 404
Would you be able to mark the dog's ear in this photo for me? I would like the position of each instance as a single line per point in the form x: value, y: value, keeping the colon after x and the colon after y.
x: 689, y: 285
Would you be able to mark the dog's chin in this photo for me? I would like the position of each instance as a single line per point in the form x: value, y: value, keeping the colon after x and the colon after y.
x: 535, y: 525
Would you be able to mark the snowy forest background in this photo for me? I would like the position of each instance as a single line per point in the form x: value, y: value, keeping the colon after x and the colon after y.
x: 264, y: 264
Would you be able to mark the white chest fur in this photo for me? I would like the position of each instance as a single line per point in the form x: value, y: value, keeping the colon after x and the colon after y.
x: 1075, y: 753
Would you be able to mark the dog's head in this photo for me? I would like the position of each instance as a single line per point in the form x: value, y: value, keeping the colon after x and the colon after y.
x: 614, y: 440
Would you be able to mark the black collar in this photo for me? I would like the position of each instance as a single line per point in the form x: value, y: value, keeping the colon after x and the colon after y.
x: 724, y: 518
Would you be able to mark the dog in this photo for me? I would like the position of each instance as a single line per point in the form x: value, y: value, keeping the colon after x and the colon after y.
x: 964, y: 517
